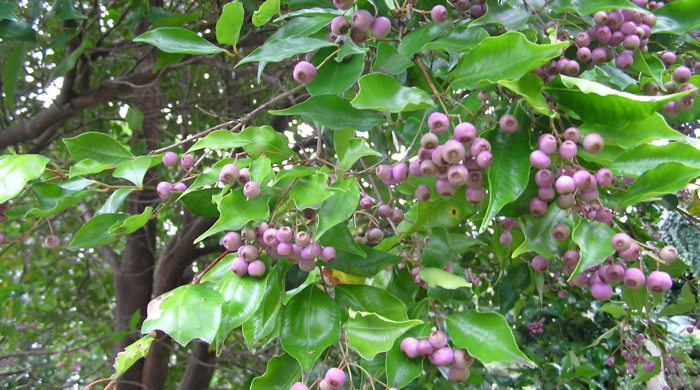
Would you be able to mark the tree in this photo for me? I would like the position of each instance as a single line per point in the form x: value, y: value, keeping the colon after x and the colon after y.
x: 293, y: 195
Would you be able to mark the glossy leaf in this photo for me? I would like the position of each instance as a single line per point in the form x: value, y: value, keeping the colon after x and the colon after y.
x: 18, y: 169
x: 487, y: 337
x: 339, y: 207
x: 310, y: 323
x: 260, y: 169
x: 53, y: 199
x: 538, y: 232
x: 267, y: 10
x: 442, y: 212
x: 635, y: 133
x: 17, y: 30
x: 281, y: 373
x: 95, y: 232
x: 370, y: 334
x: 596, y: 103
x: 414, y: 41
x: 265, y: 140
x: 134, y: 170
x: 311, y: 191
x: 400, y: 370
x: 593, y: 240
x: 384, y: 93
x: 236, y: 210
x: 503, y: 13
x: 186, y: 313
x: 281, y: 49
x: 228, y: 27
x: 436, y: 277
x: 464, y: 37
x: 667, y: 178
x: 509, y: 173
x: 114, y: 202
x: 389, y: 60
x: 503, y: 57
x: 355, y: 149
x: 242, y: 296
x: 677, y: 17
x: 200, y: 202
x: 337, y: 77
x: 530, y: 88
x: 219, y: 139
x: 643, y: 158
x: 512, y: 285
x: 636, y: 299
x: 131, y: 354
x: 264, y: 320
x: 132, y: 223
x: 98, y: 147
x: 368, y: 265
x: 333, y: 112
x: 370, y: 299
x: 178, y: 40
x: 302, y: 27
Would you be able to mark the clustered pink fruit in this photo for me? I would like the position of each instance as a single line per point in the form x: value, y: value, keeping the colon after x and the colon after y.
x: 334, y: 379
x: 440, y: 354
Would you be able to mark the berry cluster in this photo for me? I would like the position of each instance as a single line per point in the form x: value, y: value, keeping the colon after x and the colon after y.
x: 333, y: 380
x: 436, y: 349
x: 170, y: 159
x: 230, y: 174
x: 535, y: 327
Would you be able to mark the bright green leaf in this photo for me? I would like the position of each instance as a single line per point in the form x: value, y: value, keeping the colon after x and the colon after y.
x: 178, y: 40
x: 370, y: 334
x: 18, y: 169
x: 228, y: 27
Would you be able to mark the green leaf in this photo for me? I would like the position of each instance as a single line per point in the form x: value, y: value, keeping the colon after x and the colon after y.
x: 265, y: 140
x: 131, y: 354
x: 442, y: 212
x: 17, y: 30
x: 400, y: 370
x: 134, y: 118
x: 236, y: 210
x: 538, y: 232
x: 464, y: 37
x: 339, y: 207
x: 98, y: 147
x: 186, y: 313
x: 414, y: 41
x: 267, y: 10
x: 54, y: 199
x: 336, y: 77
x: 264, y: 320
x: 7, y: 11
x: 649, y: 65
x: 18, y: 169
x: 510, y: 172
x: 389, y: 60
x: 512, y: 285
x: 260, y: 169
x: 634, y: 133
x: 635, y: 162
x: 132, y: 223
x: 134, y: 170
x: 114, y: 202
x: 635, y: 299
x: 211, y: 175
x: 220, y: 139
x: 439, y: 250
x: 281, y: 373
x: 310, y: 323
x: 66, y: 11
x: 280, y: 49
x: 504, y: 14
x: 530, y: 88
x: 667, y: 178
x: 613, y: 309
x: 588, y: 7
x: 642, y: 375
x: 596, y: 103
x: 368, y: 265
x: 370, y: 299
x: 228, y: 27
x: 436, y: 277
x: 384, y: 93
x: 178, y: 40
x: 242, y: 296
x: 95, y: 232
x: 355, y: 149
x: 310, y: 191
x: 12, y: 71
x: 677, y: 17
x: 370, y: 334
x: 506, y: 56
x: 333, y: 112
x: 593, y: 240
x: 339, y: 237
x: 200, y: 202
x: 302, y: 27
x: 487, y: 337
x: 677, y: 308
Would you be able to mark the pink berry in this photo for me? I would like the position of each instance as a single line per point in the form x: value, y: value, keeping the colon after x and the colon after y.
x: 284, y: 234
x: 547, y: 143
x: 668, y: 254
x: 340, y: 25
x: 304, y: 72
x: 634, y: 278
x: 229, y: 173
x: 170, y: 159
x: 187, y: 162
x: 285, y: 249
x: 439, y: 14
x: 659, y: 281
x: 539, y: 263
x: 601, y: 291
x: 565, y: 185
x: 437, y: 339
x: 593, y: 143
x: 621, y: 242
x: 438, y: 122
x: 232, y: 241
x: 668, y: 58
x: 681, y: 74
x: 248, y: 253
x: 465, y: 133
x: 442, y: 356
x: 508, y: 123
x: 572, y: 134
x: 164, y: 189
x: 399, y: 172
x: 299, y: 386
x: 381, y: 27
x: 328, y: 255
x: 409, y: 346
x: 251, y: 189
x: 538, y: 207
x: 506, y: 238
x: 180, y: 187
x: 425, y: 348
x: 539, y: 159
x: 256, y: 269
x: 462, y: 359
x: 362, y: 20
x: 335, y: 377
x: 384, y: 211
x: 239, y: 266
x: 568, y: 149
x: 615, y: 272
x: 561, y: 232
x: 429, y: 141
x: 457, y: 375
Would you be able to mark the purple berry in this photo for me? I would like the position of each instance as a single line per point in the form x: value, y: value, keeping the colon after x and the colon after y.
x: 340, y: 25
x: 229, y: 173
x: 306, y: 264
x: 668, y: 254
x: 362, y: 20
x: 539, y: 263
x: 2, y: 238
x: 269, y: 237
x: 615, y: 272
x: 462, y: 359
x: 429, y: 141
x: 251, y: 189
x: 583, y: 54
x: 508, y: 123
x: 52, y: 241
x: 547, y: 143
x: 650, y: 366
x: 439, y: 14
x: 239, y: 266
x: 442, y: 356
x: 328, y: 254
x: 600, y: 18
x: 366, y: 203
x: 243, y: 176
x: 457, y: 175
x: 180, y: 187
x: 565, y: 201
x: 164, y: 189
x: 631, y: 254
x: 453, y: 151
x: 396, y: 216
x: 584, y: 180
x: 582, y: 39
x: 381, y: 27
x: 302, y: 238
x: 561, y: 232
x: 668, y: 58
x: 299, y: 386
x: 409, y: 346
x: 384, y: 211
x: 438, y: 122
x: 437, y: 339
x: 465, y: 133
x: 445, y: 188
x: 474, y: 179
x: 506, y: 238
x: 285, y: 249
x: 304, y: 72
x: 659, y: 281
x: 476, y: 195
x: 565, y: 185
x: 399, y: 172
x: 374, y: 235
x: 599, y: 55
x: 343, y: 4
x: 248, y: 252
x: 544, y: 178
x: 568, y: 149
x: 187, y: 162
x: 631, y: 42
x: 546, y: 193
x: 335, y: 377
x: 284, y: 234
x: 422, y: 193
x: 601, y: 291
x: 324, y: 385
x: 634, y: 278
x: 538, y: 207
x: 621, y: 242
x: 232, y: 241
x: 383, y: 172
x: 681, y: 74
x: 593, y: 143
x: 604, y: 177
x: 624, y: 60
x: 539, y: 159
x: 256, y: 269
x: 170, y: 159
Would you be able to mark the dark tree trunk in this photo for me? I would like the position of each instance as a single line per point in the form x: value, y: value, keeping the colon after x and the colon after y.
x: 199, y: 368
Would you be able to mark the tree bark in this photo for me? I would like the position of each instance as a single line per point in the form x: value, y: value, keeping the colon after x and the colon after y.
x: 197, y: 375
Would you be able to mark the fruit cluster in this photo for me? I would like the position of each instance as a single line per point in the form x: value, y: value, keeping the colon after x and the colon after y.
x: 333, y: 380
x: 440, y: 354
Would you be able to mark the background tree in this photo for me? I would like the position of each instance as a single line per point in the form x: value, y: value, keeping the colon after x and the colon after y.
x: 471, y: 176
